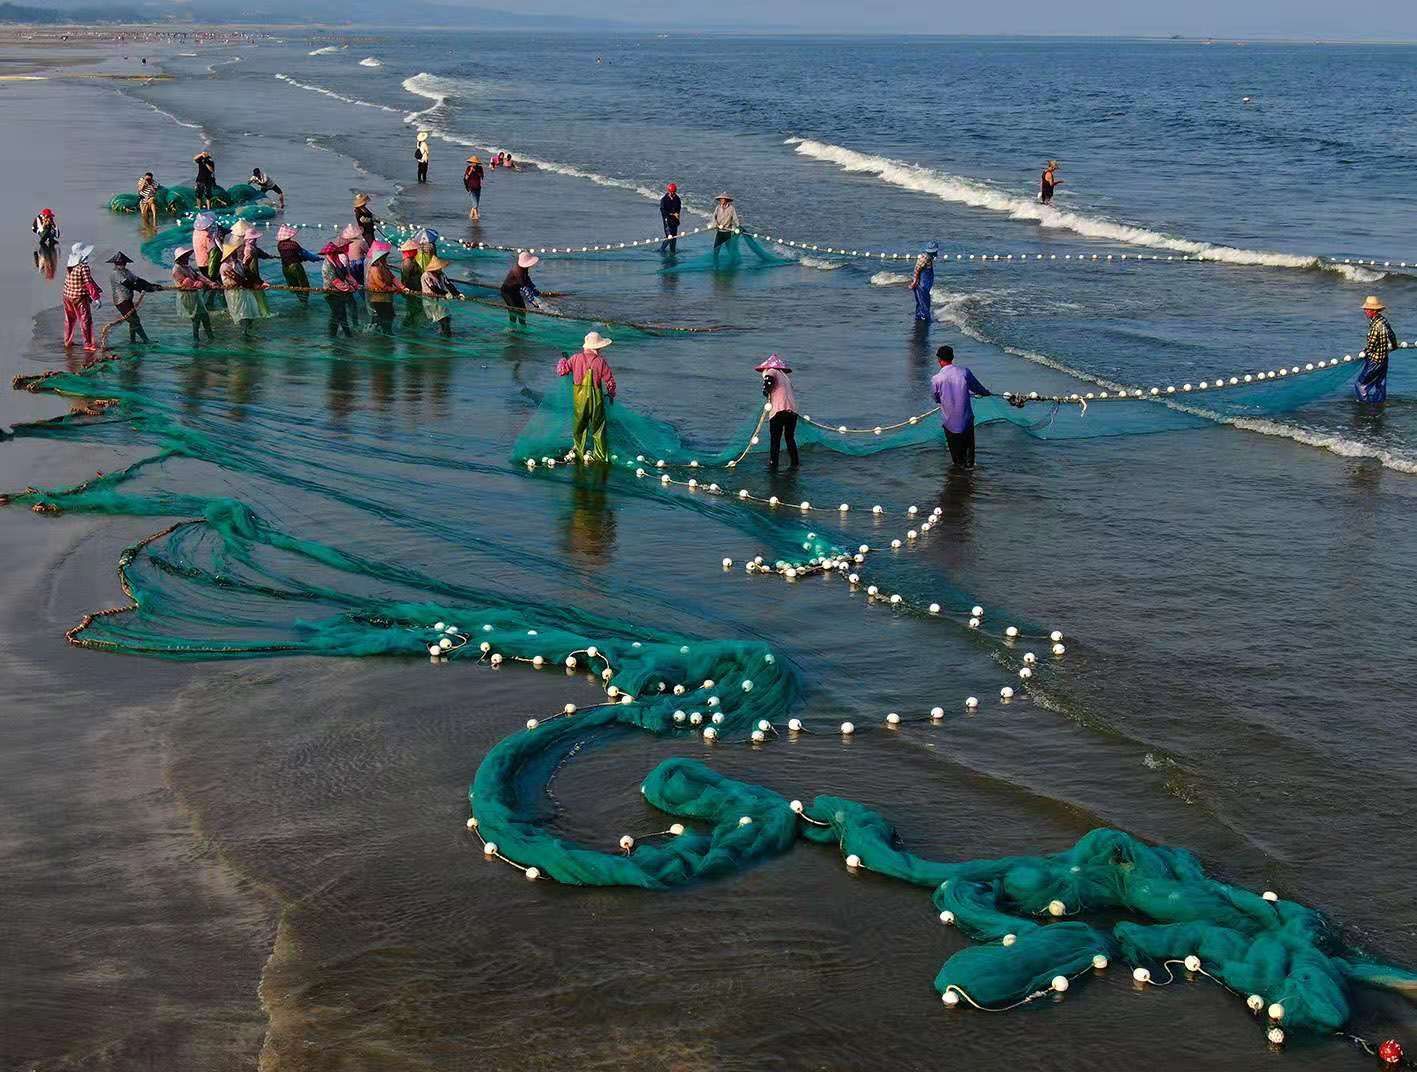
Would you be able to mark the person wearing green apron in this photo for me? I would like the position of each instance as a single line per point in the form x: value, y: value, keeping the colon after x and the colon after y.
x: 592, y: 390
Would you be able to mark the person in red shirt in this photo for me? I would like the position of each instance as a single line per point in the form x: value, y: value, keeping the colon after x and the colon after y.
x: 80, y: 295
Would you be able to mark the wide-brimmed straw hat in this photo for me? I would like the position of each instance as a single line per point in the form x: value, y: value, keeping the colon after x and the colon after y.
x: 78, y: 253
x: 423, y: 135
x: 204, y: 221
x: 435, y: 264
x: 360, y: 200
x: 241, y: 228
x: 120, y: 258
x: 596, y: 341
x: 773, y: 364
x: 723, y: 197
x: 527, y: 260
x: 231, y: 248
x: 1375, y: 303
x: 408, y: 245
x: 351, y: 232
x: 181, y: 253
x: 473, y: 160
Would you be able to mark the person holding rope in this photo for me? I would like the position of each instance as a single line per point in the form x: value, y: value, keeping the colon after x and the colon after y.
x: 923, y: 280
x: 189, y: 282
x: 436, y: 290
x: 782, y: 408
x: 380, y: 285
x: 670, y: 208
x: 411, y: 276
x: 81, y: 293
x: 517, y: 288
x: 122, y: 283
x: 292, y: 262
x: 1371, y: 385
x: 951, y: 389
x: 244, y: 303
x: 339, y: 284
x: 592, y: 389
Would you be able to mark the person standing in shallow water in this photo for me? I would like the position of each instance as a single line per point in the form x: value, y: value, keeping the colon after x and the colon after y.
x: 205, y: 186
x: 1048, y: 182
x: 122, y: 284
x: 81, y: 293
x: 472, y: 183
x: 592, y: 390
x: 190, y: 283
x: 782, y: 409
x: 670, y: 208
x: 725, y: 220
x: 1371, y: 385
x: 421, y: 154
x: 147, y: 199
x: 923, y: 280
x: 364, y: 217
x: 951, y: 390
x: 518, y: 289
x: 292, y: 262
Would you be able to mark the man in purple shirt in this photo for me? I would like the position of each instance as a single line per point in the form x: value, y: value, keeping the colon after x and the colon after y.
x: 951, y: 388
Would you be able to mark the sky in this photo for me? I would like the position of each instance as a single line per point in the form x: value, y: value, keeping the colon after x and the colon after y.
x: 1301, y: 19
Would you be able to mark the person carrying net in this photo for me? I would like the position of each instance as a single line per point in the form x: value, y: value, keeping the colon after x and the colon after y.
x: 592, y: 390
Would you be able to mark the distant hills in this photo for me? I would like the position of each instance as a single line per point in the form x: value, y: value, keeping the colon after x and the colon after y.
x: 324, y: 12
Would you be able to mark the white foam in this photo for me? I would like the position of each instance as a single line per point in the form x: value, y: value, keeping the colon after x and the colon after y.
x: 1354, y: 274
x: 439, y: 90
x: 327, y: 50
x: 370, y: 61
x: 182, y: 122
x: 960, y: 190
x: 806, y: 260
x: 336, y: 96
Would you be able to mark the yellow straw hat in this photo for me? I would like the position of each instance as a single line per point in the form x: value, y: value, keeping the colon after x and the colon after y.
x: 1374, y: 303
x: 360, y: 200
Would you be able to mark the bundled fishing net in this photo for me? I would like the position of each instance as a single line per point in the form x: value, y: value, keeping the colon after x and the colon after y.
x: 181, y: 200
x: 730, y: 257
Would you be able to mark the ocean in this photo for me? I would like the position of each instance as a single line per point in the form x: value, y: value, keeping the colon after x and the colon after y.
x: 221, y: 864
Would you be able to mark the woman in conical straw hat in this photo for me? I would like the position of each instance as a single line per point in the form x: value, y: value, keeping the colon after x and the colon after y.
x: 436, y: 291
x: 592, y: 389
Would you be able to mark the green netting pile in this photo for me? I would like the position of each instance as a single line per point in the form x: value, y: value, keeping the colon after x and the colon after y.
x: 180, y: 200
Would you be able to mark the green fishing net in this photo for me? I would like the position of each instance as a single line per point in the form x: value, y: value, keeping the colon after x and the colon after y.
x: 245, y: 491
x: 181, y: 200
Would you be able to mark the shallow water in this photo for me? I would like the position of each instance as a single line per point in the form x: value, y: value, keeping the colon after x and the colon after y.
x: 1235, y: 602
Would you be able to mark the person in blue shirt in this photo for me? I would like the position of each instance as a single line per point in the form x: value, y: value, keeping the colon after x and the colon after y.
x: 951, y: 389
x: 922, y: 279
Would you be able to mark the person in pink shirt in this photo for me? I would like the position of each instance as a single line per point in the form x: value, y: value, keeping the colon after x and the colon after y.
x: 592, y: 389
x: 781, y: 407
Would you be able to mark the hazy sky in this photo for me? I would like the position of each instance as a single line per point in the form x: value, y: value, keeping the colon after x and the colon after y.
x: 1272, y: 18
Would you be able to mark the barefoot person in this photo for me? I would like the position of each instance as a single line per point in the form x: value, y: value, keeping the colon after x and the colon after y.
x: 122, y: 284
x: 147, y: 199
x: 205, y: 186
x: 267, y: 185
x: 670, y: 208
x: 1048, y: 182
x: 81, y: 294
x: 725, y: 220
x: 1371, y: 385
x: 951, y: 389
x: 189, y: 284
x: 472, y: 183
x: 592, y: 389
x: 436, y: 292
x: 421, y: 155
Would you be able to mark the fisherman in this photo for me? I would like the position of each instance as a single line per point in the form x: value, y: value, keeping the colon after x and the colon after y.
x: 380, y: 285
x: 427, y: 240
x: 1371, y: 385
x: 122, y: 283
x: 189, y: 282
x: 592, y: 389
x: 357, y: 247
x: 518, y: 289
x: 205, y: 186
x: 81, y: 293
x: 436, y: 289
x: 472, y: 183
x: 669, y: 209
x: 951, y: 388
x: 267, y: 185
x: 923, y: 279
x: 411, y: 276
x: 421, y: 154
x: 242, y: 286
x: 1048, y: 182
x: 147, y: 198
x: 339, y: 286
x: 292, y: 262
x: 725, y: 220
x: 782, y: 408
x: 46, y: 229
x: 364, y: 218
